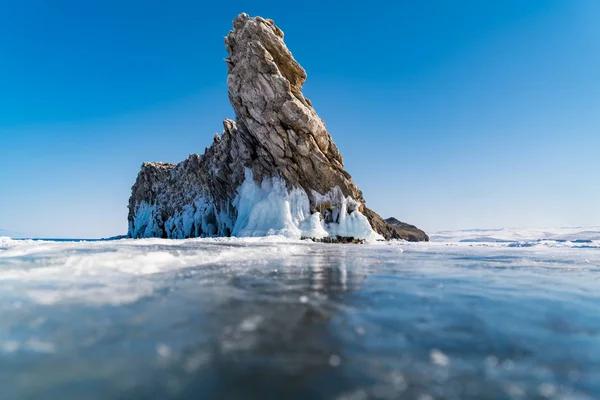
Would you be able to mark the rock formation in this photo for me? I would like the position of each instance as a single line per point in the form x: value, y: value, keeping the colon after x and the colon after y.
x: 274, y: 170
x: 402, y: 230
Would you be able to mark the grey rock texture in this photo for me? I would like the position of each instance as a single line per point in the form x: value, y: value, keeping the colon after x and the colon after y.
x: 402, y: 230
x: 276, y: 133
x: 264, y: 84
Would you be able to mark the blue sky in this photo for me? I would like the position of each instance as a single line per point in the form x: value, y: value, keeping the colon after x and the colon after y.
x: 449, y: 114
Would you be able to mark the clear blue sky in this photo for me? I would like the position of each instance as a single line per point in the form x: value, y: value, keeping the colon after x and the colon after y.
x: 449, y: 114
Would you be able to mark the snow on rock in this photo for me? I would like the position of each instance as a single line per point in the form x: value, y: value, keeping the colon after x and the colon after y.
x: 264, y: 209
x: 274, y: 170
x: 271, y: 209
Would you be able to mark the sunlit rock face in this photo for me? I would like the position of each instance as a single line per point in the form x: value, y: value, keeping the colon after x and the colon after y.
x: 275, y: 170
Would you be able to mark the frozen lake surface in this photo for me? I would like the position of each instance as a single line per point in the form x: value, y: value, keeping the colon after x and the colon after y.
x: 502, y: 314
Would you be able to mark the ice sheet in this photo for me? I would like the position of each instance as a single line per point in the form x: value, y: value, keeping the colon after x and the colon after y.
x: 252, y: 317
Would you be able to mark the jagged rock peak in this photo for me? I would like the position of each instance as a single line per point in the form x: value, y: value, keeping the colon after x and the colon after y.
x: 274, y: 170
x: 264, y: 84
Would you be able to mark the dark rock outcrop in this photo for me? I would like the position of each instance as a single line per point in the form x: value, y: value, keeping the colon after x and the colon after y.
x: 276, y: 161
x: 402, y: 230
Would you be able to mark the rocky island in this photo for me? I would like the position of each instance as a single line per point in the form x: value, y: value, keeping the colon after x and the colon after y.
x: 274, y: 170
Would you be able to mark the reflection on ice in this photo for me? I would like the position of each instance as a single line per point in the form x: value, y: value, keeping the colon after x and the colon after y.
x: 271, y: 317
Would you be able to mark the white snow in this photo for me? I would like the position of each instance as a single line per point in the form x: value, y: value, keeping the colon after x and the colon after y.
x: 6, y: 243
x: 549, y: 237
x: 110, y: 272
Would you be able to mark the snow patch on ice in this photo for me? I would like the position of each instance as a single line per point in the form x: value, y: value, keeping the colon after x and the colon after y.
x: 108, y: 272
x: 512, y: 237
x: 5, y: 242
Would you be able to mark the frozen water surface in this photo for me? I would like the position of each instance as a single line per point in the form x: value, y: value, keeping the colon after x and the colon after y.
x: 479, y: 315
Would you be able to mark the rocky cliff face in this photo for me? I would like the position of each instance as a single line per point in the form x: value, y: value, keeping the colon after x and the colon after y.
x: 274, y: 170
x: 402, y: 230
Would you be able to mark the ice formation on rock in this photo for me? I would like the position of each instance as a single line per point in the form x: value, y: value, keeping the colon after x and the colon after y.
x: 275, y: 170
